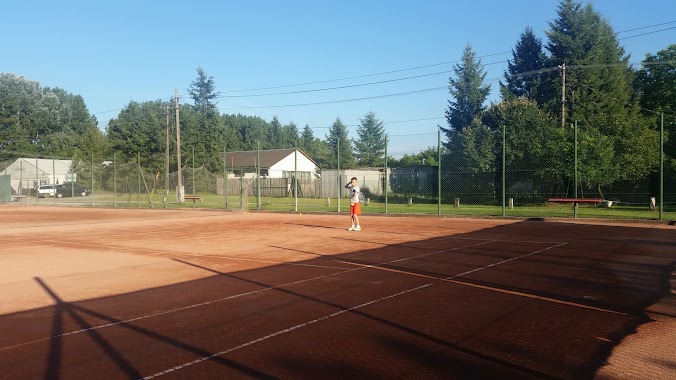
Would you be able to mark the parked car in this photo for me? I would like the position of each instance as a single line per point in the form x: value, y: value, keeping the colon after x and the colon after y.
x: 70, y: 190
x: 45, y: 191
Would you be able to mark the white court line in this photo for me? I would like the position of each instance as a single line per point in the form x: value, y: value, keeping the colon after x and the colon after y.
x: 305, y: 324
x: 505, y: 261
x: 296, y: 327
x: 230, y: 297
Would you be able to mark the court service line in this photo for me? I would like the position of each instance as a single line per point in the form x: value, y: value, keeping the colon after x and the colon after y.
x: 499, y: 290
x: 328, y: 316
x: 281, y: 332
x: 234, y: 296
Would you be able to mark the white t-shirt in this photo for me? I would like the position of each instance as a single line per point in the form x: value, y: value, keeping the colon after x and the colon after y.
x: 354, y: 193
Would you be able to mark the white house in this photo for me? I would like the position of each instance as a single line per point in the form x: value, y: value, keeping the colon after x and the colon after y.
x: 29, y: 173
x: 274, y: 163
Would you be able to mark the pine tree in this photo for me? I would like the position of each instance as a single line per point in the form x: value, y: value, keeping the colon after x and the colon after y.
x: 203, y: 92
x: 598, y: 93
x: 338, y: 137
x: 370, y: 146
x: 524, y: 69
x: 468, y: 91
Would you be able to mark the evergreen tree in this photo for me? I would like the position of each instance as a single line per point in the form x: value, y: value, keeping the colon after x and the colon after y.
x: 598, y: 92
x: 274, y: 139
x: 290, y: 136
x: 598, y: 88
x: 524, y: 69
x: 140, y: 128
x: 336, y: 138
x: 370, y: 146
x: 468, y: 92
x: 313, y: 146
x: 203, y: 93
x: 656, y: 82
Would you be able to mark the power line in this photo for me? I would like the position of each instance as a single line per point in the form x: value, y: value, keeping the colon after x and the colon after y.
x: 643, y: 34
x: 646, y: 27
x: 362, y: 76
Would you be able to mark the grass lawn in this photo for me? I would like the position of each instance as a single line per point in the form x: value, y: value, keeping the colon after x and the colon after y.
x: 236, y: 203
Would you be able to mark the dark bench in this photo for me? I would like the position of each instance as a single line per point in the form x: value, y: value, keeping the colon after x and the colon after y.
x: 575, y: 201
x: 193, y: 198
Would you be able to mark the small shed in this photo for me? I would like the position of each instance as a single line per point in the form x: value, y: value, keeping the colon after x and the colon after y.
x: 29, y: 173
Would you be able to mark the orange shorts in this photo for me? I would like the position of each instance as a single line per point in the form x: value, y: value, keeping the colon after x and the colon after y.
x: 355, y: 209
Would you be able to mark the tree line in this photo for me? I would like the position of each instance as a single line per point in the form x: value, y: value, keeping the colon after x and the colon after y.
x: 615, y: 105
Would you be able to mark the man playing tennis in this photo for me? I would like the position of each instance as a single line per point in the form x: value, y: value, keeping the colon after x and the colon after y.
x: 355, y: 208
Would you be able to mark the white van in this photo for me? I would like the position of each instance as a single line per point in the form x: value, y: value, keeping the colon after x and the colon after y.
x: 45, y: 191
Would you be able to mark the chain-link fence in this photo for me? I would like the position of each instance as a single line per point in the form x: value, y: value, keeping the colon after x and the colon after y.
x: 419, y: 175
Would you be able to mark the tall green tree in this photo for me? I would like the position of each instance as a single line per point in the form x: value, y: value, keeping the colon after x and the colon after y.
x: 468, y: 93
x: 316, y: 148
x: 523, y: 73
x: 598, y: 81
x: 203, y: 93
x: 656, y: 82
x: 598, y: 88
x: 338, y: 138
x: 369, y: 147
x: 140, y: 128
x: 289, y: 136
x: 274, y: 134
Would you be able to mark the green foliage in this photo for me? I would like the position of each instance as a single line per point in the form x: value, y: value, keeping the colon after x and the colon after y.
x: 429, y: 157
x: 140, y: 127
x: 36, y: 121
x: 656, y: 81
x: 337, y: 138
x: 468, y: 92
x: 370, y: 146
x: 314, y: 147
x: 203, y: 93
x: 524, y: 69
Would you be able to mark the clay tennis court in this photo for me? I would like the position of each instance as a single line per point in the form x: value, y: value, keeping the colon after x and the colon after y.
x: 176, y: 294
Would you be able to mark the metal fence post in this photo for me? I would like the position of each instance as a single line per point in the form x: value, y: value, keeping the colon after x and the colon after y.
x: 575, y: 169
x: 661, y: 165
x: 439, y: 172
x: 386, y: 174
x: 338, y: 171
x: 504, y: 157
x: 114, y: 182
x: 295, y: 177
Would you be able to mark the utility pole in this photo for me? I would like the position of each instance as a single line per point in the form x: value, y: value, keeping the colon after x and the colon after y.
x: 179, y: 189
x: 563, y: 95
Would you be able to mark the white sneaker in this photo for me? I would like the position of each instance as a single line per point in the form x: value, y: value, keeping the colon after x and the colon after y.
x: 351, y: 228
x: 358, y: 228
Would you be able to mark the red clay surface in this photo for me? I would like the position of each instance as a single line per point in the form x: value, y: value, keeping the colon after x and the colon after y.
x: 175, y: 294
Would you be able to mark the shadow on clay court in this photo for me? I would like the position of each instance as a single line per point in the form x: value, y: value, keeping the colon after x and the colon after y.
x: 603, y: 286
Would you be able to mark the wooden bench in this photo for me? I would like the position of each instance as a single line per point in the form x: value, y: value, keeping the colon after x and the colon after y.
x: 193, y: 198
x: 575, y: 201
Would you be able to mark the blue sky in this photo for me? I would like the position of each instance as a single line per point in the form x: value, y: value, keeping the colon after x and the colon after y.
x: 117, y: 51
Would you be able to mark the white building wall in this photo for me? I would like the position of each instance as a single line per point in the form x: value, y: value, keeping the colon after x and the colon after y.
x: 288, y: 164
x: 27, y: 173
